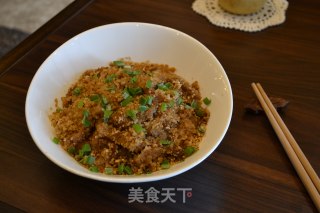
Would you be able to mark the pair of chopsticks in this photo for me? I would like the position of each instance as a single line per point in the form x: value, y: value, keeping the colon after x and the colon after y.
x: 301, y: 164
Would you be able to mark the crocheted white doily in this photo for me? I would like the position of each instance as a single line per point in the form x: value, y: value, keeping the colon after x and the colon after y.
x: 272, y: 13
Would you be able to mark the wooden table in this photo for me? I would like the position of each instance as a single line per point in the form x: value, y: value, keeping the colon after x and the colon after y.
x: 249, y: 172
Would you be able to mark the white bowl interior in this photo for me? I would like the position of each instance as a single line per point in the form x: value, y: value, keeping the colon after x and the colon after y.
x: 141, y: 42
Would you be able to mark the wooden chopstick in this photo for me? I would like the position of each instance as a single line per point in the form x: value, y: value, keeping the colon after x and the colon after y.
x: 302, y: 166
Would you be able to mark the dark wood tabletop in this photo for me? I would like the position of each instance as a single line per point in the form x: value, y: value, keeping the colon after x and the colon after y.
x: 248, y: 172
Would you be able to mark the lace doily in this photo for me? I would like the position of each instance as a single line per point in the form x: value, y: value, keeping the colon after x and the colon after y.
x: 271, y: 14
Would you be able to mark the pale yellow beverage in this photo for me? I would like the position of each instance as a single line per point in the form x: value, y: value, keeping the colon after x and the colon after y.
x: 242, y: 7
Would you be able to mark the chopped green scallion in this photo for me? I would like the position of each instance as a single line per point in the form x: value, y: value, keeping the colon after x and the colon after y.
x: 111, y: 89
x: 125, y: 93
x: 128, y: 170
x: 143, y: 101
x: 121, y: 169
x: 134, y: 80
x: 119, y: 63
x: 164, y: 86
x: 149, y: 100
x: 89, y: 159
x: 86, y: 113
x: 94, y: 168
x: 206, y: 101
x: 85, y: 121
x: 108, y: 170
x: 95, y: 98
x: 194, y: 104
x: 199, y: 112
x: 71, y: 150
x: 163, y: 107
x: 110, y: 78
x: 132, y: 114
x: 143, y: 108
x: 126, y: 101
x: 138, y: 128
x: 179, y: 101
x: 171, y: 103
x: 104, y: 101
x: 189, y: 150
x: 56, y: 140
x: 80, y: 104
x: 85, y: 150
x: 165, y: 164
x: 132, y: 73
x: 106, y: 114
x: 165, y: 142
x: 149, y: 84
x: 76, y: 91
x: 134, y: 91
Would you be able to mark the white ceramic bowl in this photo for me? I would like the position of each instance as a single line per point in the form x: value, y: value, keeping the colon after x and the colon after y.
x: 140, y: 41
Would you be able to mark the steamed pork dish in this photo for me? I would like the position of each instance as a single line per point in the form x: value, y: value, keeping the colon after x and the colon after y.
x: 130, y: 118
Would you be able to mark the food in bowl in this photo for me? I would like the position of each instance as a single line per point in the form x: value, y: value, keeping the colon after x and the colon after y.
x: 131, y: 118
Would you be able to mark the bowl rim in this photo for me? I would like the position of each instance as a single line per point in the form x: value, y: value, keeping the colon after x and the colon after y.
x: 133, y: 178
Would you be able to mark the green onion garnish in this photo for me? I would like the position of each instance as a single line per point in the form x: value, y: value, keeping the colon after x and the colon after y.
x: 189, y: 150
x: 134, y: 91
x: 104, y: 101
x: 187, y: 106
x: 143, y: 108
x: 164, y: 107
x: 71, y: 150
x: 199, y: 112
x: 164, y: 86
x: 111, y: 89
x: 86, y: 113
x: 132, y: 114
x: 149, y: 100
x: 58, y: 109
x: 89, y: 160
x: 138, y: 128
x: 56, y: 140
x: 146, y: 100
x: 106, y: 114
x: 110, y: 78
x: 194, y: 104
x: 119, y: 63
x: 134, y: 80
x: 165, y: 142
x: 80, y: 104
x: 179, y: 101
x: 206, y: 101
x: 85, y: 121
x: 85, y: 150
x: 128, y: 170
x: 165, y: 164
x: 93, y: 168
x: 108, y: 170
x: 95, y: 98
x: 132, y: 73
x: 171, y: 103
x: 126, y: 101
x: 125, y: 93
x: 149, y: 84
x: 143, y: 101
x: 120, y: 169
x: 76, y: 91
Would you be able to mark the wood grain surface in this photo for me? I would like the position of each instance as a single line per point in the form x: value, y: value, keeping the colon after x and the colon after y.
x: 249, y: 171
